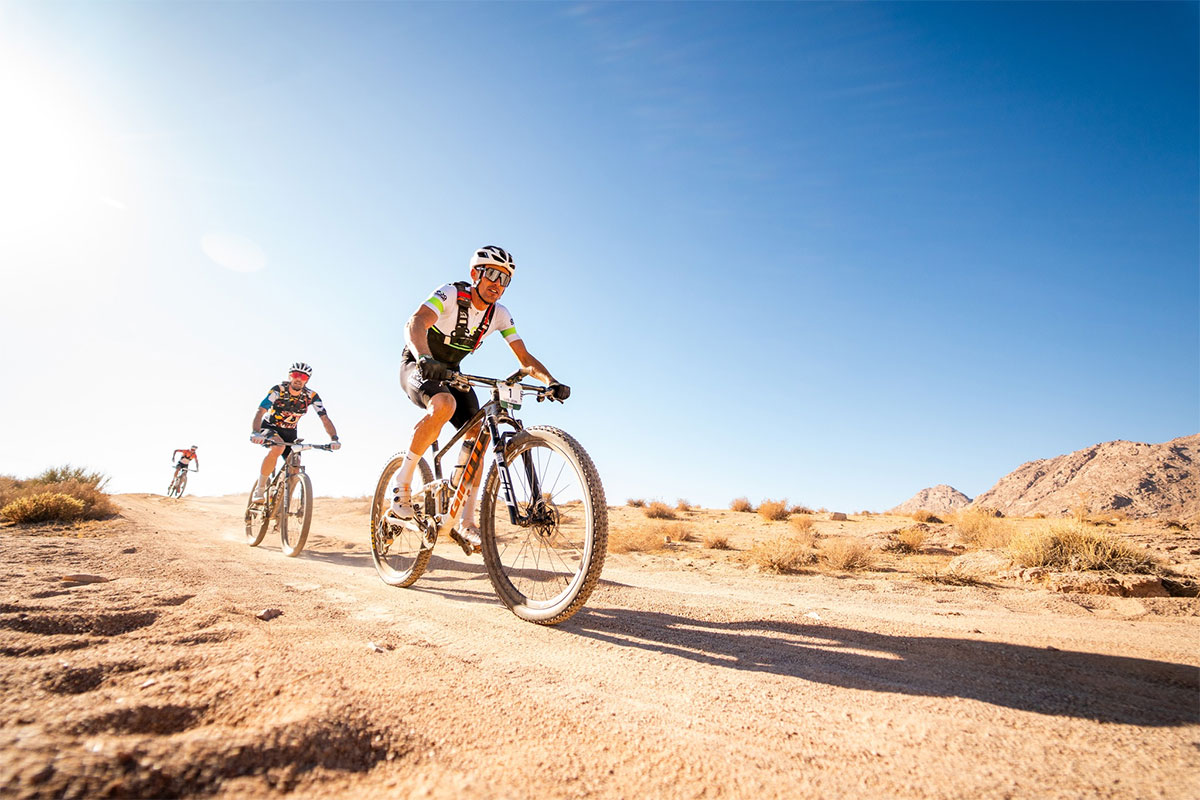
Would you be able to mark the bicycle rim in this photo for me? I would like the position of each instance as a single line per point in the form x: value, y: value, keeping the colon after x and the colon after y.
x: 545, y: 571
x: 399, y: 553
x: 294, y: 523
x: 257, y: 520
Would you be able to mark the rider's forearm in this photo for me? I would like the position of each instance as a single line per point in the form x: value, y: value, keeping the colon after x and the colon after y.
x: 537, y: 369
x: 328, y: 423
x: 416, y: 336
x: 257, y: 424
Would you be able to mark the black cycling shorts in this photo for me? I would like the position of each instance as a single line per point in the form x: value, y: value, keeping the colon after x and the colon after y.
x: 287, y: 434
x: 422, y: 391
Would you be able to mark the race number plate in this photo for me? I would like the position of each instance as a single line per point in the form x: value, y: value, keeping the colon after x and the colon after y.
x: 510, y: 396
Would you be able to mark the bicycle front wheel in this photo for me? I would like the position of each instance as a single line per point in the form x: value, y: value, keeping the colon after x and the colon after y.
x: 173, y: 489
x: 182, y: 484
x: 258, y: 519
x: 399, y: 552
x: 296, y: 515
x: 545, y: 566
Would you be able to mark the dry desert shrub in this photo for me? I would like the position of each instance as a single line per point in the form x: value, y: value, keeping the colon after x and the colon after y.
x: 1072, y: 546
x: 921, y: 515
x: 74, y: 482
x: 717, y: 541
x: 43, y: 507
x: 907, y: 540
x: 801, y: 524
x: 865, y: 513
x: 774, y: 510
x: 69, y: 474
x: 684, y: 505
x: 659, y: 510
x: 783, y: 554
x: 800, y: 508
x: 635, y: 502
x: 980, y: 527
x: 846, y: 553
x: 1172, y: 524
x: 741, y: 504
x: 644, y: 538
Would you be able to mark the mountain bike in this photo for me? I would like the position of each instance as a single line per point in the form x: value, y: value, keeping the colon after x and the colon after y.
x: 179, y: 480
x: 288, y: 497
x: 543, y: 516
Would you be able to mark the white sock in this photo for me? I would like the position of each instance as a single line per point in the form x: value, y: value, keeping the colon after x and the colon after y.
x: 404, y: 475
x: 262, y: 481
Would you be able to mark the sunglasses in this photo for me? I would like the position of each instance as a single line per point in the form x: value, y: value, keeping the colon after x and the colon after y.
x: 497, y: 275
x: 299, y: 376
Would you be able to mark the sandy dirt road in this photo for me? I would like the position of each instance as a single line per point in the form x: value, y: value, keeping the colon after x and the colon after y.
x: 676, y: 681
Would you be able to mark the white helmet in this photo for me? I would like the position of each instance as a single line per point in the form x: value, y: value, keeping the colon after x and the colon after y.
x: 492, y: 256
x: 300, y: 366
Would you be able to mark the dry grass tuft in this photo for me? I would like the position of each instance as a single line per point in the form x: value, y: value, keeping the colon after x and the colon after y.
x: 784, y: 554
x: 907, y: 540
x: 950, y: 578
x: 865, y: 513
x: 921, y: 515
x: 635, y: 502
x: 684, y: 505
x: 800, y: 508
x: 774, y: 510
x: 659, y: 510
x: 801, y: 524
x: 644, y: 538
x: 846, y: 553
x: 741, y: 504
x: 980, y: 527
x: 43, y: 507
x: 1175, y: 525
x: 1072, y: 546
x: 717, y: 541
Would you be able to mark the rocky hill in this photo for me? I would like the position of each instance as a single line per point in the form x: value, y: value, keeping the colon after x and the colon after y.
x: 1133, y: 478
x: 937, y: 499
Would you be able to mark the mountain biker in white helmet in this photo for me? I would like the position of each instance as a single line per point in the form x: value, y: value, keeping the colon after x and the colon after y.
x: 286, y: 403
x: 446, y: 328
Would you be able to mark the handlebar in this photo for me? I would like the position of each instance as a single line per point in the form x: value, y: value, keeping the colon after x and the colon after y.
x: 297, y: 446
x: 461, y: 380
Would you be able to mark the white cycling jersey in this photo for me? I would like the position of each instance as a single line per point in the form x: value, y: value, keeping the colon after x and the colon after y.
x: 444, y: 302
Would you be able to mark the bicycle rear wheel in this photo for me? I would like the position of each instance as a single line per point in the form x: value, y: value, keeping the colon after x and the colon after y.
x: 173, y: 489
x: 182, y: 484
x: 258, y: 518
x: 399, y: 553
x: 293, y: 525
x: 545, y: 569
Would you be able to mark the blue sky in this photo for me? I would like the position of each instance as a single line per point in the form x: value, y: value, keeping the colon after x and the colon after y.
x: 830, y: 252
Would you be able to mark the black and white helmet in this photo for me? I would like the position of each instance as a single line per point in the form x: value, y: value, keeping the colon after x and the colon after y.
x: 492, y: 256
x: 300, y: 366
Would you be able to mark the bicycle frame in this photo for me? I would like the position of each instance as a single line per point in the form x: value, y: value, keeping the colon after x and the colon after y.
x: 488, y: 420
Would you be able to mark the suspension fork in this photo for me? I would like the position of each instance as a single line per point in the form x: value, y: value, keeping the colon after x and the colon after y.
x: 502, y: 466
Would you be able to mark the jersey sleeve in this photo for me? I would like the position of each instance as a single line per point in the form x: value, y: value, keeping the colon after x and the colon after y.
x: 270, y: 399
x: 442, y: 298
x: 318, y: 405
x: 504, y: 323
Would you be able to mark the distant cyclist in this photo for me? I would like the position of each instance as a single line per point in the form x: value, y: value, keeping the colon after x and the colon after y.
x: 185, y: 457
x: 286, y: 403
x: 446, y: 328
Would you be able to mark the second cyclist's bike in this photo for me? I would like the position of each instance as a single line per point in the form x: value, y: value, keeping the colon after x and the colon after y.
x: 543, y: 516
x: 179, y: 480
x: 288, y: 499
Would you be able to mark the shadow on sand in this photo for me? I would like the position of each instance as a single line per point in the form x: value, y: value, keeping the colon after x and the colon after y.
x: 1117, y: 689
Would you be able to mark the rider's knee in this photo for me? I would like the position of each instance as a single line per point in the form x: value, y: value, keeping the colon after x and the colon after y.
x: 442, y: 406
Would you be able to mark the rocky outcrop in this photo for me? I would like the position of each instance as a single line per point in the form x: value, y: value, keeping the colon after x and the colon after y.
x: 938, y: 499
x: 1132, y: 478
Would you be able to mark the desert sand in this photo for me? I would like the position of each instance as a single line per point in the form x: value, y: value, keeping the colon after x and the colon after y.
x: 690, y: 674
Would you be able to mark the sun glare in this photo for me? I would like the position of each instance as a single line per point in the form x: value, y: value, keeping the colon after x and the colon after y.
x: 54, y: 159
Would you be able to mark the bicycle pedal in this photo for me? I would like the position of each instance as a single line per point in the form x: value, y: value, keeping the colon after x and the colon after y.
x: 468, y: 547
